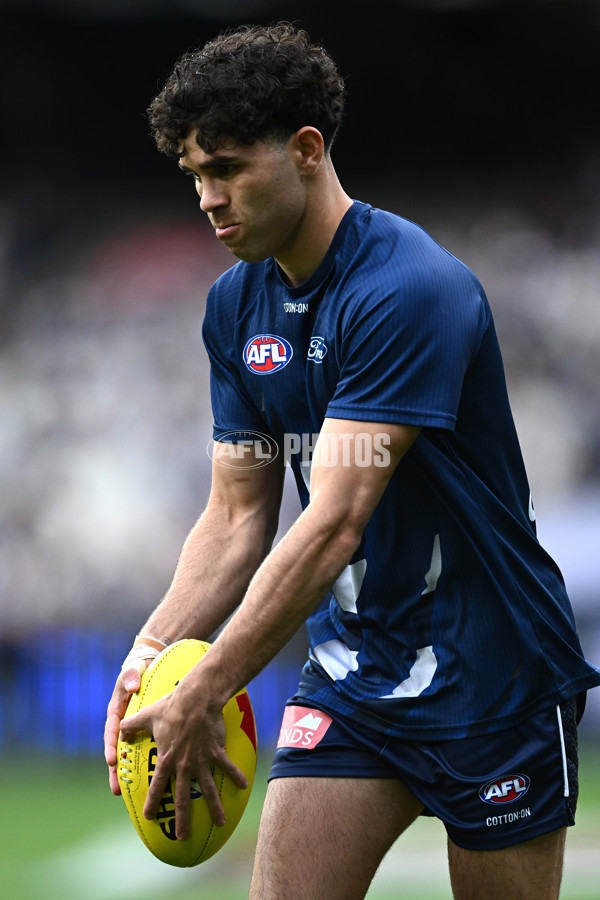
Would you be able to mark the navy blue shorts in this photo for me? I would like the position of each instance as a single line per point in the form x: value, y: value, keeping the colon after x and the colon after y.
x: 490, y: 791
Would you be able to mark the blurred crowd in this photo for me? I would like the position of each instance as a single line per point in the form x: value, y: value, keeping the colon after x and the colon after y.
x: 105, y: 420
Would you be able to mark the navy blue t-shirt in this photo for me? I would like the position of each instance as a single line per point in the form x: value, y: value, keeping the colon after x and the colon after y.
x: 450, y: 619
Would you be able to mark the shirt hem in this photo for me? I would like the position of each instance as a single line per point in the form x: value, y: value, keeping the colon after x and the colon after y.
x: 451, y: 731
x: 393, y: 415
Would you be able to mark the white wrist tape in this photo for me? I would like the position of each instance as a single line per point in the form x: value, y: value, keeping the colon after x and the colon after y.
x: 136, y: 656
x: 150, y: 639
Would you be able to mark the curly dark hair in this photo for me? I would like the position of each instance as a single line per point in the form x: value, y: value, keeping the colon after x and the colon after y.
x: 250, y: 83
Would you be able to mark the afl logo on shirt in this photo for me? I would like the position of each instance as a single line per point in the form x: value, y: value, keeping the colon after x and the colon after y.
x: 267, y: 353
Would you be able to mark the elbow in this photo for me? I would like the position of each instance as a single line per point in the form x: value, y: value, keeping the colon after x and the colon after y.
x: 348, y: 536
x: 340, y: 537
x: 269, y: 533
x: 339, y: 546
x: 251, y: 525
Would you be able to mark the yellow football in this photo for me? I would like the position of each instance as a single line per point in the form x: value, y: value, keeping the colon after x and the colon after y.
x: 137, y: 761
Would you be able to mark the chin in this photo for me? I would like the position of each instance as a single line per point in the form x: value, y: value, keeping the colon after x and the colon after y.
x: 248, y: 256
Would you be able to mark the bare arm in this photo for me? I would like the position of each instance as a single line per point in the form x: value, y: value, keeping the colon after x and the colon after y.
x: 218, y: 559
x: 285, y: 590
x: 222, y: 552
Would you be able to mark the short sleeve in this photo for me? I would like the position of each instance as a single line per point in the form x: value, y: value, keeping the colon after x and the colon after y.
x: 405, y: 348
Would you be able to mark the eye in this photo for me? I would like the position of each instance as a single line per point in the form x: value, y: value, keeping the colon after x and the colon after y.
x: 224, y: 170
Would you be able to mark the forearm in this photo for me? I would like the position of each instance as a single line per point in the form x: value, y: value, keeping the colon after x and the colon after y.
x: 284, y: 592
x: 217, y: 561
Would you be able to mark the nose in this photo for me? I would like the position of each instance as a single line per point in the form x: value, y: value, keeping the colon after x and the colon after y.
x: 211, y: 196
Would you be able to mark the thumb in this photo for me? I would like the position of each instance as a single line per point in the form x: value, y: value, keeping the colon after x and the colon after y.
x: 131, y: 673
x: 131, y: 680
x: 139, y: 721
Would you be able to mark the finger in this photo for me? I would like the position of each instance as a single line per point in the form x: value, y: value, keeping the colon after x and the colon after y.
x: 147, y: 719
x: 114, y: 715
x: 111, y: 737
x: 132, y: 676
x: 213, y: 801
x: 182, y: 806
x: 156, y: 789
x: 231, y: 770
x: 115, y: 712
x: 140, y: 721
x: 113, y: 781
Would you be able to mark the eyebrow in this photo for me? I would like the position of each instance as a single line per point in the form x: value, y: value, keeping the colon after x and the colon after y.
x: 212, y: 163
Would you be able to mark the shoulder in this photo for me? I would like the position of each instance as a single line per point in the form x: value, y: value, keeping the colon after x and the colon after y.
x: 393, y: 262
x: 402, y: 250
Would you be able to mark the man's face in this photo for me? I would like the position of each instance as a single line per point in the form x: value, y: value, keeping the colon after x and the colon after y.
x: 253, y: 195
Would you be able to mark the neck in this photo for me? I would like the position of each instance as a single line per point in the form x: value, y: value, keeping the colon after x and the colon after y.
x: 326, y: 205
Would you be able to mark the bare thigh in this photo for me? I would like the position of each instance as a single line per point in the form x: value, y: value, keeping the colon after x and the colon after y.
x: 528, y: 871
x: 325, y: 837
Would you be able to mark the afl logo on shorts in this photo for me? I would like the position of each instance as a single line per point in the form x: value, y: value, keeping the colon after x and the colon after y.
x: 505, y: 790
x: 267, y: 353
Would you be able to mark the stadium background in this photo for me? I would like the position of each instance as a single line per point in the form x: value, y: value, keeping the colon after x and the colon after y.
x: 478, y: 119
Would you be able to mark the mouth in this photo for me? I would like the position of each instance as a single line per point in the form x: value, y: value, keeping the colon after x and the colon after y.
x: 224, y: 231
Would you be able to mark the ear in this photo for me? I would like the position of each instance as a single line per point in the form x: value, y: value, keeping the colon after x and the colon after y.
x: 308, y: 148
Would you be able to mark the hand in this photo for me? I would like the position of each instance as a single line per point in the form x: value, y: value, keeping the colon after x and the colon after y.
x: 190, y: 742
x: 127, y: 684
